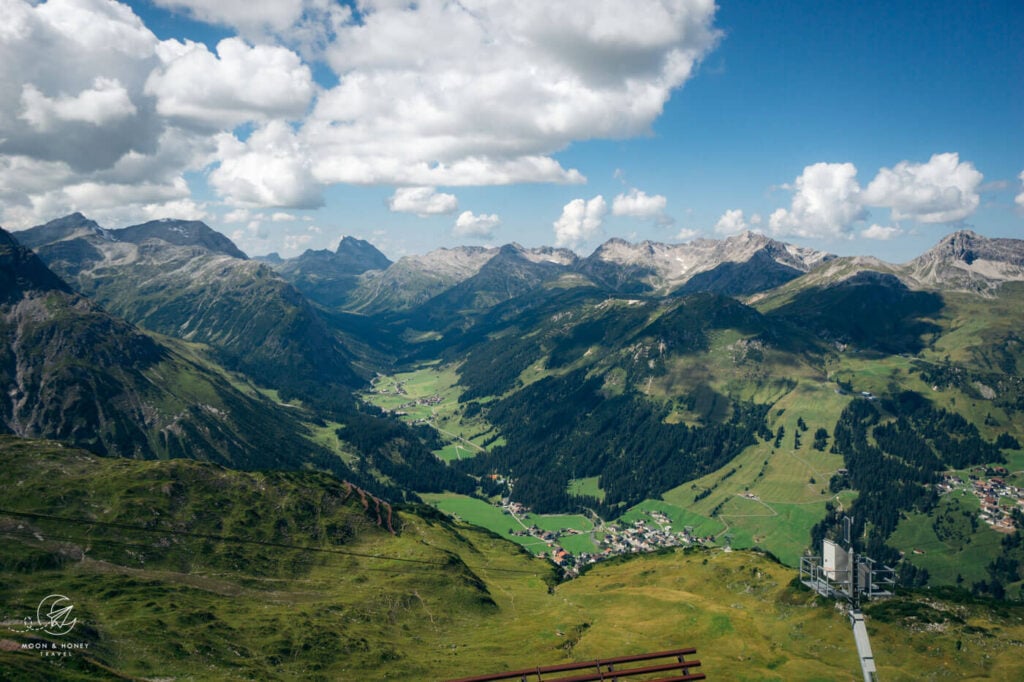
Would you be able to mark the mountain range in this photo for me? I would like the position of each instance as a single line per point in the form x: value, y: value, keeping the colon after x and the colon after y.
x: 183, y: 279
x: 642, y: 372
x: 73, y: 372
x: 359, y: 278
x: 749, y: 391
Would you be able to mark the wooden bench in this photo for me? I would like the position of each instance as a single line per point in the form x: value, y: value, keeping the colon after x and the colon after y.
x: 606, y: 669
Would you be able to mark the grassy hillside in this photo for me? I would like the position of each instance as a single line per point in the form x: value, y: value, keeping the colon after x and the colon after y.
x: 436, y: 600
x: 695, y: 359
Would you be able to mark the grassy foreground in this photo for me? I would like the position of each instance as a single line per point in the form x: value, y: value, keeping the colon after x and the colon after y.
x: 437, y: 600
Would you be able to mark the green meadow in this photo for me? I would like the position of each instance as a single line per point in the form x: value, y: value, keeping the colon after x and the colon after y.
x: 485, y: 515
x: 431, y: 394
x: 184, y: 570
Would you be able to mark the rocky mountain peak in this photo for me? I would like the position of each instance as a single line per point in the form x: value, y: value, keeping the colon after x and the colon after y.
x: 967, y: 246
x: 968, y: 261
x: 181, y: 233
x: 733, y: 265
x: 749, y: 237
x: 459, y: 261
x: 273, y: 259
x: 550, y: 254
x: 743, y: 246
x: 83, y: 233
x: 621, y: 252
x: 361, y: 254
x: 69, y: 227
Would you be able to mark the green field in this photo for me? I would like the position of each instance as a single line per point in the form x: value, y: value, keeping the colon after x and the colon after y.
x: 767, y: 502
x: 408, y: 394
x: 485, y: 515
x: 961, y: 553
x: 791, y: 485
x: 455, y: 451
x: 586, y: 487
x: 327, y: 436
x: 791, y: 503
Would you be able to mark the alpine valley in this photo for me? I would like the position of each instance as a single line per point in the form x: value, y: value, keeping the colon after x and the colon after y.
x: 336, y: 466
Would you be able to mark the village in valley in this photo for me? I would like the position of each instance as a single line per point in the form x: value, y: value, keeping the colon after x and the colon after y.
x: 999, y: 500
x: 612, y: 539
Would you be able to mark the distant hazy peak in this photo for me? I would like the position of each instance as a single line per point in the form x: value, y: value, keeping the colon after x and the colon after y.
x: 967, y: 246
x: 181, y: 233
x: 74, y: 221
x: 968, y: 261
x: 350, y: 241
x: 169, y: 230
x: 362, y: 253
x: 549, y: 254
x: 618, y: 250
x: 272, y: 258
x: 69, y: 227
x: 458, y: 258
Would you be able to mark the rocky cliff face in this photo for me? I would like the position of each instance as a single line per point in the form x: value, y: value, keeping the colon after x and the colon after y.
x: 969, y: 262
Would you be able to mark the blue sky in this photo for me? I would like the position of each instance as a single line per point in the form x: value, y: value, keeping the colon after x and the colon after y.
x: 858, y: 128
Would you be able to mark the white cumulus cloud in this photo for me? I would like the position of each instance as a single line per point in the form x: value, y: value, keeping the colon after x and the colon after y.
x: 74, y: 114
x: 422, y: 201
x: 469, y: 224
x: 430, y: 93
x: 733, y: 222
x: 449, y: 93
x: 240, y: 83
x: 91, y: 25
x: 239, y: 215
x: 826, y: 202
x: 880, y: 232
x: 293, y: 243
x: 271, y: 168
x: 943, y: 190
x: 106, y: 101
x: 307, y: 25
x: 1019, y: 199
x: 274, y: 14
x: 580, y: 220
x: 638, y: 204
x: 71, y: 77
